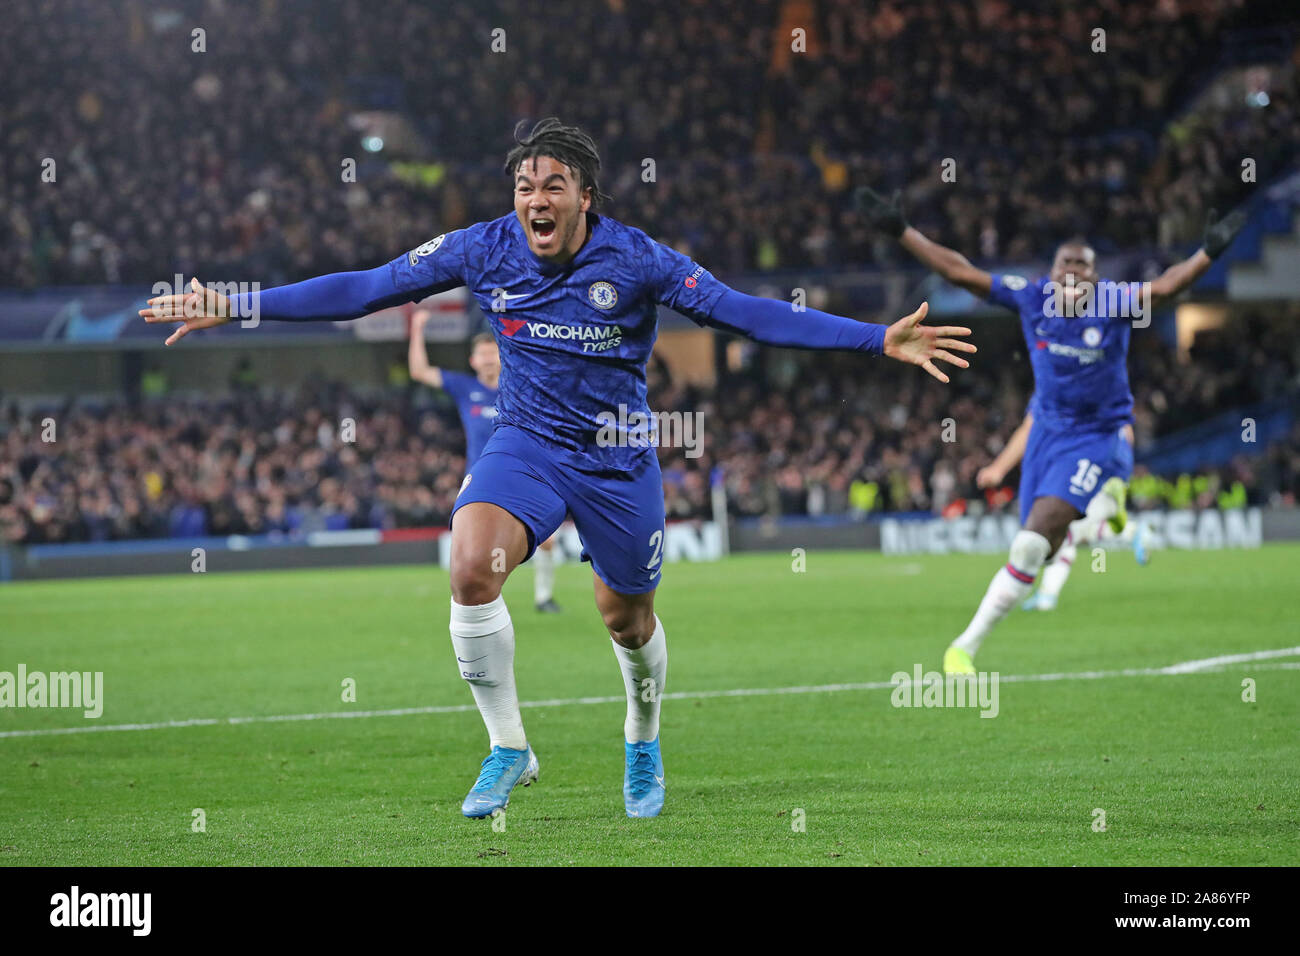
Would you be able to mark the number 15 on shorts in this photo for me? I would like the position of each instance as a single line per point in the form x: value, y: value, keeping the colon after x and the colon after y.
x: 1085, y: 477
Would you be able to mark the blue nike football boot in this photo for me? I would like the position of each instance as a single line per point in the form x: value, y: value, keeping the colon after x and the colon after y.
x: 643, y: 780
x: 503, y: 770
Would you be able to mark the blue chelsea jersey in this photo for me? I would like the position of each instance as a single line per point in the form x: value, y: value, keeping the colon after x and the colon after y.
x: 477, y: 405
x: 1080, y: 363
x: 574, y: 339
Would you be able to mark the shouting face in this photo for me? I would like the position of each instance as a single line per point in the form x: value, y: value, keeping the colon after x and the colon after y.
x: 551, y: 208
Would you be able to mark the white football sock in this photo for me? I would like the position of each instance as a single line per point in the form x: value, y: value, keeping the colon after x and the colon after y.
x: 1058, y: 572
x: 484, y: 639
x: 543, y: 575
x: 1012, y: 582
x: 644, y: 672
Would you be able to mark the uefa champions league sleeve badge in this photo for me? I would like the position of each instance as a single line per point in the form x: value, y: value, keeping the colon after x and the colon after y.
x: 427, y: 249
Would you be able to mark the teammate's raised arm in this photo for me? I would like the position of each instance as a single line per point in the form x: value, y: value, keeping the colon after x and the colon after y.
x: 886, y: 215
x: 1219, y: 234
x: 1012, y: 453
x: 417, y: 356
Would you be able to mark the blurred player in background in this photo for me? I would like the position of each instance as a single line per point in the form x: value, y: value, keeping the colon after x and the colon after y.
x: 1058, y: 569
x: 1079, y: 452
x: 476, y: 403
x: 572, y: 298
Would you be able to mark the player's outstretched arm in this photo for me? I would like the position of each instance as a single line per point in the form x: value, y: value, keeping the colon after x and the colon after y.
x: 772, y: 322
x: 417, y: 356
x: 992, y: 475
x: 329, y: 298
x: 886, y: 215
x: 1219, y: 234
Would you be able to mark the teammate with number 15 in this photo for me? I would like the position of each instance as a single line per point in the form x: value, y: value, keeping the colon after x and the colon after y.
x: 1079, y: 454
x: 572, y: 299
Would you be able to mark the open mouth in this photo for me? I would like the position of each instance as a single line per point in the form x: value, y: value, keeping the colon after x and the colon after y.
x: 543, y: 228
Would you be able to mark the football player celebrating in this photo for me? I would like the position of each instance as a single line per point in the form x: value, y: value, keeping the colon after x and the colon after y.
x: 1077, y: 331
x: 1081, y: 533
x: 571, y: 297
x: 476, y: 402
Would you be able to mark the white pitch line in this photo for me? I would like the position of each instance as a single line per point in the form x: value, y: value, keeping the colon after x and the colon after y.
x: 1191, y: 666
x: 1173, y: 670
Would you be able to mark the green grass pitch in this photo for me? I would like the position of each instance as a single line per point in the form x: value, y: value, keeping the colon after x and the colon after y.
x: 1186, y: 772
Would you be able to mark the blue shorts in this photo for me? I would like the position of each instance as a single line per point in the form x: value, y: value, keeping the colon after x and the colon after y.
x: 619, y: 515
x: 1071, y: 465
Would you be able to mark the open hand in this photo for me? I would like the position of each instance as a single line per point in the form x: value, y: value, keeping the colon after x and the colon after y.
x: 200, y: 308
x: 907, y: 340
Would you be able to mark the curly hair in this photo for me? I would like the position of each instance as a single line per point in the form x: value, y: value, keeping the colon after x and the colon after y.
x: 564, y: 144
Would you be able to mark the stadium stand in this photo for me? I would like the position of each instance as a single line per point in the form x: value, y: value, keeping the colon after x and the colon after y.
x: 253, y: 188
x: 751, y: 174
x: 841, y: 438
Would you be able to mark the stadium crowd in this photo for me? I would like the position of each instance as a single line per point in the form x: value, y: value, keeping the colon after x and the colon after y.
x: 223, y: 153
x: 213, y: 138
x: 823, y: 440
x: 835, y: 441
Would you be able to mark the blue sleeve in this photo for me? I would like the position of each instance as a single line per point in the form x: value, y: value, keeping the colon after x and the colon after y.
x: 775, y: 322
x: 690, y: 289
x: 331, y: 298
x: 677, y: 282
x: 1008, y: 290
x: 435, y: 266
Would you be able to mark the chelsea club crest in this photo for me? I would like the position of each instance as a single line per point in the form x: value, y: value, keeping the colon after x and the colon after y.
x: 602, y: 295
